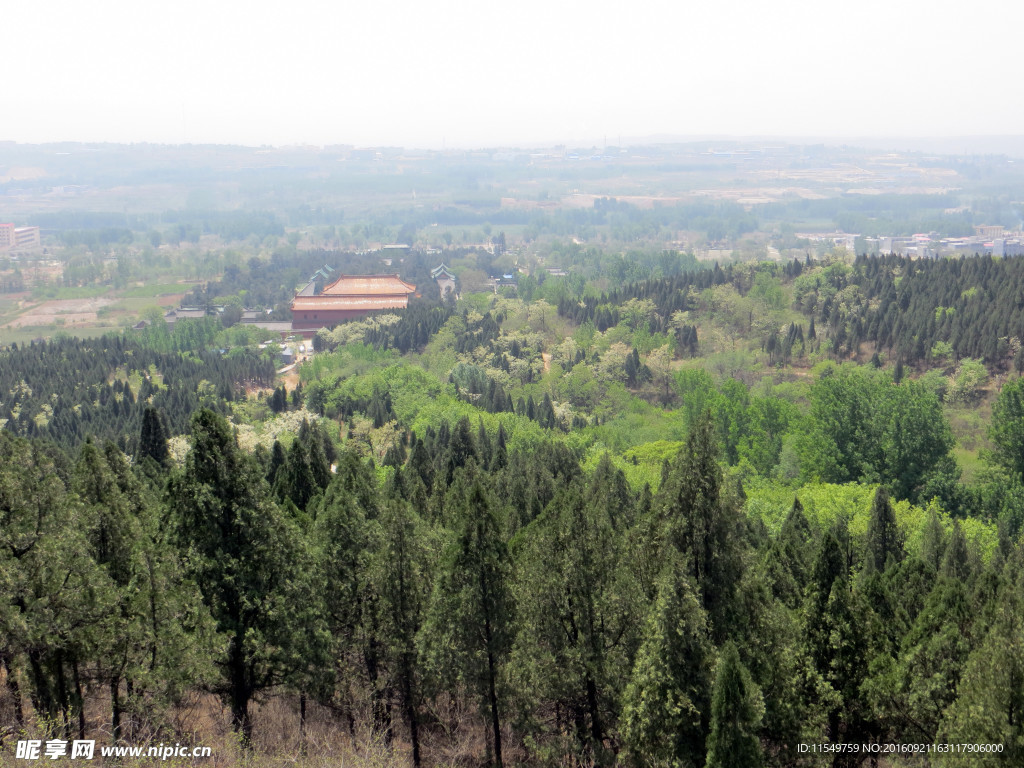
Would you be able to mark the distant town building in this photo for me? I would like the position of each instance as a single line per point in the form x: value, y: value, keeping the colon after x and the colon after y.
x: 348, y: 297
x: 393, y: 251
x: 989, y: 231
x: 844, y: 239
x: 14, y: 238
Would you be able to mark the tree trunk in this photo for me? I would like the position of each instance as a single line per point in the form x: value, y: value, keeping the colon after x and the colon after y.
x: 79, y: 699
x: 380, y: 705
x: 240, y: 720
x: 129, y: 689
x: 240, y: 693
x: 410, y: 712
x: 115, y: 709
x: 63, y: 694
x: 15, y: 689
x: 302, y: 722
x: 42, y: 696
x: 596, y: 731
x: 493, y: 693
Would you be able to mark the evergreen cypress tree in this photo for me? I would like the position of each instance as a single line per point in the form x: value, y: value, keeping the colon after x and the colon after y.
x: 736, y: 712
x: 787, y: 561
x: 295, y: 480
x: 989, y: 707
x: 578, y: 613
x: 402, y: 575
x: 499, y: 459
x: 250, y: 562
x: 666, y: 708
x: 934, y: 653
x: 469, y: 628
x: 277, y: 461
x: 933, y: 543
x: 153, y: 438
x: 956, y: 560
x: 703, y: 525
x: 884, y: 540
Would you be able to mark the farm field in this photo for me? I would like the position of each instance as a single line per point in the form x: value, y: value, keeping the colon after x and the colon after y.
x: 23, y: 317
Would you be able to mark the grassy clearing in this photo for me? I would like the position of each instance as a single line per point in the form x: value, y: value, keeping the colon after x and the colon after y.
x: 8, y: 310
x: 970, y: 462
x: 50, y: 292
x: 133, y: 305
x: 153, y: 291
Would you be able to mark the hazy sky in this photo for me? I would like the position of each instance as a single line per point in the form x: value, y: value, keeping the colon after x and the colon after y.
x: 478, y: 73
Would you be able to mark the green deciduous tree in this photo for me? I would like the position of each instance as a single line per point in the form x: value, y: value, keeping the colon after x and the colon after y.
x: 864, y: 428
x: 1007, y: 428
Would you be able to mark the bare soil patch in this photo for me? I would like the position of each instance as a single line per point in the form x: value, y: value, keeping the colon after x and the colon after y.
x: 71, y: 311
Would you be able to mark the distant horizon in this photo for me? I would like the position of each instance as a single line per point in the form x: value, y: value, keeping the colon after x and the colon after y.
x: 463, y: 74
x: 951, y: 144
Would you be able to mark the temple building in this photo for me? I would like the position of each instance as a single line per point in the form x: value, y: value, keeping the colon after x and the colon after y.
x: 445, y: 279
x: 348, y: 297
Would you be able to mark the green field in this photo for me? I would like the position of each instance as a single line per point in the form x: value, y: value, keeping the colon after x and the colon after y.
x: 153, y: 291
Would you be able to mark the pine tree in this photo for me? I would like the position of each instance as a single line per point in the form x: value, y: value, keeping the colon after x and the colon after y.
x: 702, y: 524
x: 884, y: 540
x: 578, y: 613
x: 403, y: 580
x: 469, y: 629
x: 989, y: 708
x: 736, y: 712
x: 787, y: 562
x: 934, y: 653
x: 249, y: 561
x: 666, y: 708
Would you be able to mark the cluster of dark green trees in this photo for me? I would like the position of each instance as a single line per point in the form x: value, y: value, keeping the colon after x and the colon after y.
x: 66, y: 389
x: 669, y: 295
x: 902, y: 307
x: 417, y: 325
x: 575, y: 616
x: 905, y: 307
